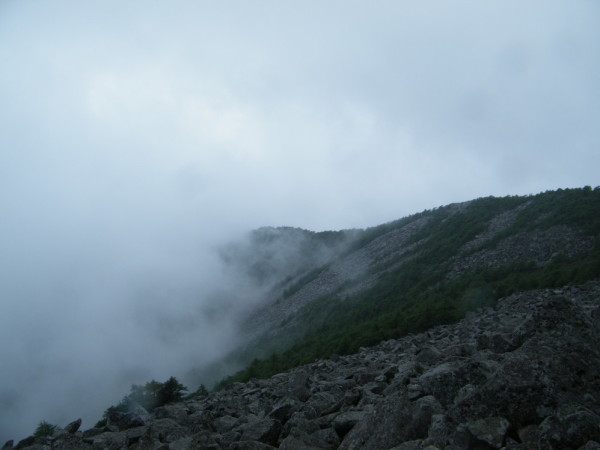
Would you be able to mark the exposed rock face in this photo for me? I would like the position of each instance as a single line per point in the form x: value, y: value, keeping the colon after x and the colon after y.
x: 524, y: 375
x: 538, y: 247
x: 347, y: 269
x: 352, y: 272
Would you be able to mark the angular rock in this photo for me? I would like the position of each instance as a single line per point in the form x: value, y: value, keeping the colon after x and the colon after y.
x: 428, y: 356
x: 324, y: 403
x: 124, y: 421
x: 176, y: 412
x: 440, y: 430
x: 296, y: 386
x: 344, y: 422
x: 68, y: 441
x: 167, y: 430
x: 57, y: 432
x: 299, y: 425
x: 570, y: 431
x: 422, y: 414
x: 73, y: 426
x: 326, y: 438
x: 265, y: 431
x: 92, y: 432
x: 442, y: 381
x: 491, y: 430
x: 392, y: 421
x: 226, y: 423
x: 283, y: 409
x: 23, y: 443
x: 109, y: 439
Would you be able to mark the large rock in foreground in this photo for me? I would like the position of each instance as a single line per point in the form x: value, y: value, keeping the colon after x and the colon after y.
x: 524, y: 375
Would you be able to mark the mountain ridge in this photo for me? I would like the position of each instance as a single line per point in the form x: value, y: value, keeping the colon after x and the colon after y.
x: 469, y: 253
x: 329, y: 294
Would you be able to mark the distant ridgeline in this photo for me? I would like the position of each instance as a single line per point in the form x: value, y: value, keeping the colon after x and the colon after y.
x: 414, y: 273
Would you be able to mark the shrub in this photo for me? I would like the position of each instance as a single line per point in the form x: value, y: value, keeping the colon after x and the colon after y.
x: 151, y: 395
x: 44, y: 429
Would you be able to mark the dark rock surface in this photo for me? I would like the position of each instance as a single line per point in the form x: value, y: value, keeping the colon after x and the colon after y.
x: 522, y: 375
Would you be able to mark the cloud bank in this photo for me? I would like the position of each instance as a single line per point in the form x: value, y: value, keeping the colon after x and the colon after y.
x: 137, y: 138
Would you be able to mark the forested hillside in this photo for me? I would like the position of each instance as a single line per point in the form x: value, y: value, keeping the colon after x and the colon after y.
x: 354, y: 301
x: 424, y: 270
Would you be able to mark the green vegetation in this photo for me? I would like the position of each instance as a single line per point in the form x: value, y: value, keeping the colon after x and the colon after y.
x: 413, y: 291
x: 419, y: 294
x: 153, y: 394
x: 44, y: 429
x: 200, y: 392
x: 149, y: 396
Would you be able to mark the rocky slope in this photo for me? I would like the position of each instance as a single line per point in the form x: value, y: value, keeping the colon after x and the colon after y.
x: 350, y: 272
x: 522, y: 375
x: 347, y: 269
x: 480, y: 249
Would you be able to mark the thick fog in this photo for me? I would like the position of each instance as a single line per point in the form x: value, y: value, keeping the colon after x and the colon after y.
x: 137, y: 138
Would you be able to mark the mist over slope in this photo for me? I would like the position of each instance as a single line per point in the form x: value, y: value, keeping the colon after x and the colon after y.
x: 275, y: 298
x: 138, y: 140
x: 422, y: 270
x: 273, y: 256
x: 523, y: 374
x: 79, y: 330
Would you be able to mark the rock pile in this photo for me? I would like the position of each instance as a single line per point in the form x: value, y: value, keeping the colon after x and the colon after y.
x: 522, y: 375
x: 539, y: 247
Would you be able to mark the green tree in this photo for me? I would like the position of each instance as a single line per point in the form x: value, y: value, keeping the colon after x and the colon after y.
x: 201, y: 391
x: 44, y: 429
x: 150, y: 395
x: 170, y: 391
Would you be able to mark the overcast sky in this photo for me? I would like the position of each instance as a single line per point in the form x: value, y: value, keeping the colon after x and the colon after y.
x: 135, y: 136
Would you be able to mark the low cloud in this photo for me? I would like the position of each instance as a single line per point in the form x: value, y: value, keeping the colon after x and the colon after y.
x: 139, y: 139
